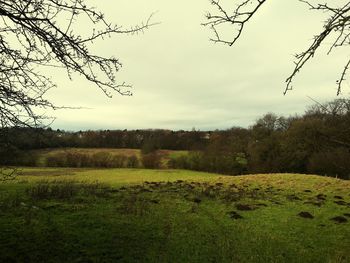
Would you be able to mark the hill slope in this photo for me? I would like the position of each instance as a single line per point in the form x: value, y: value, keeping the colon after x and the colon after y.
x: 135, y: 215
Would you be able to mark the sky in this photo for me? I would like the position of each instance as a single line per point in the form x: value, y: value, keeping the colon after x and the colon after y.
x: 181, y: 80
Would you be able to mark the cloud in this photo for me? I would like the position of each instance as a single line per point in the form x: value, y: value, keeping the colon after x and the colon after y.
x: 181, y: 80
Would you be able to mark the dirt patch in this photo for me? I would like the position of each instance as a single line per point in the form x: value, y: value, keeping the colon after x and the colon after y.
x: 306, y: 215
x: 190, y: 186
x: 235, y: 215
x: 245, y: 207
x: 276, y: 202
x: 339, y: 219
x: 321, y: 197
x: 145, y: 190
x: 197, y: 200
x: 340, y: 202
x: 293, y: 198
x: 262, y: 205
x: 315, y: 203
x: 155, y: 184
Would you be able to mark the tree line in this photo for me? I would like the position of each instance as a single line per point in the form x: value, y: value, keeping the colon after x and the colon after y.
x: 316, y: 142
x: 25, y: 138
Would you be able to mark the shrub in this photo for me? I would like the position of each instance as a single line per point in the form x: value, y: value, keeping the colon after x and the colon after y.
x: 75, y: 159
x: 118, y: 161
x: 132, y: 162
x: 28, y: 159
x: 151, y: 160
x: 9, y: 154
x: 225, y: 163
x: 57, y: 160
x: 101, y: 159
x: 192, y: 161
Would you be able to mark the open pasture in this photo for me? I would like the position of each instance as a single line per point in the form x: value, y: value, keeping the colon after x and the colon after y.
x: 136, y: 215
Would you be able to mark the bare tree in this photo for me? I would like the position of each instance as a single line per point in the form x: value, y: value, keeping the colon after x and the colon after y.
x: 336, y: 29
x: 43, y: 33
x: 39, y: 34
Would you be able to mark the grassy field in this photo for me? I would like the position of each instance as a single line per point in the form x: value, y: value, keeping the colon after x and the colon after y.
x: 135, y: 215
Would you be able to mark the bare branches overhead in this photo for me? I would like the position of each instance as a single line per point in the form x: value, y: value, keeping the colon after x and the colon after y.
x: 336, y: 30
x: 336, y: 26
x: 237, y: 17
x: 43, y: 33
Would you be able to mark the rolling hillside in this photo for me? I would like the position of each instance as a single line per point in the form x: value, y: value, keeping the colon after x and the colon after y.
x: 135, y: 215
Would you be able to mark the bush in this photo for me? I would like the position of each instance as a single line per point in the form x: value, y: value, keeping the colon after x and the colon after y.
x: 76, y: 159
x: 101, y: 159
x: 211, y: 162
x: 9, y: 154
x: 132, y: 162
x: 151, y: 160
x: 27, y: 159
x: 118, y: 161
x: 58, y: 160
x: 192, y: 161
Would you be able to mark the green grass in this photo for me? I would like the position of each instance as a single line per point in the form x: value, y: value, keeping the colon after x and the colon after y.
x: 135, y: 215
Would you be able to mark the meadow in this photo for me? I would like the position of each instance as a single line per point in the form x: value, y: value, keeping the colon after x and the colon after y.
x: 139, y: 215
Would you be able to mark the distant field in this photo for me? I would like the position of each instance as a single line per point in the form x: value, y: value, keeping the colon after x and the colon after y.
x: 136, y: 215
x: 43, y: 154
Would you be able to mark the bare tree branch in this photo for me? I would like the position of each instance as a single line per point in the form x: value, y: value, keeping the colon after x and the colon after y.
x: 42, y: 33
x: 237, y: 17
x: 337, y: 23
x: 336, y: 28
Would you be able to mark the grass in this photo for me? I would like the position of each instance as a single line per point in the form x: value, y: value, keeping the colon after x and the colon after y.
x: 135, y: 215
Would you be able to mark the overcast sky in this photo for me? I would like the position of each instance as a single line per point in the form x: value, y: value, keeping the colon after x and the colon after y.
x: 182, y: 80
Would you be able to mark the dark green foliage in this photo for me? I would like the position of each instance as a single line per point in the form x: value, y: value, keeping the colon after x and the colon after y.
x: 192, y: 161
x: 9, y: 154
x: 29, y: 138
x: 217, y: 162
x: 332, y: 162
